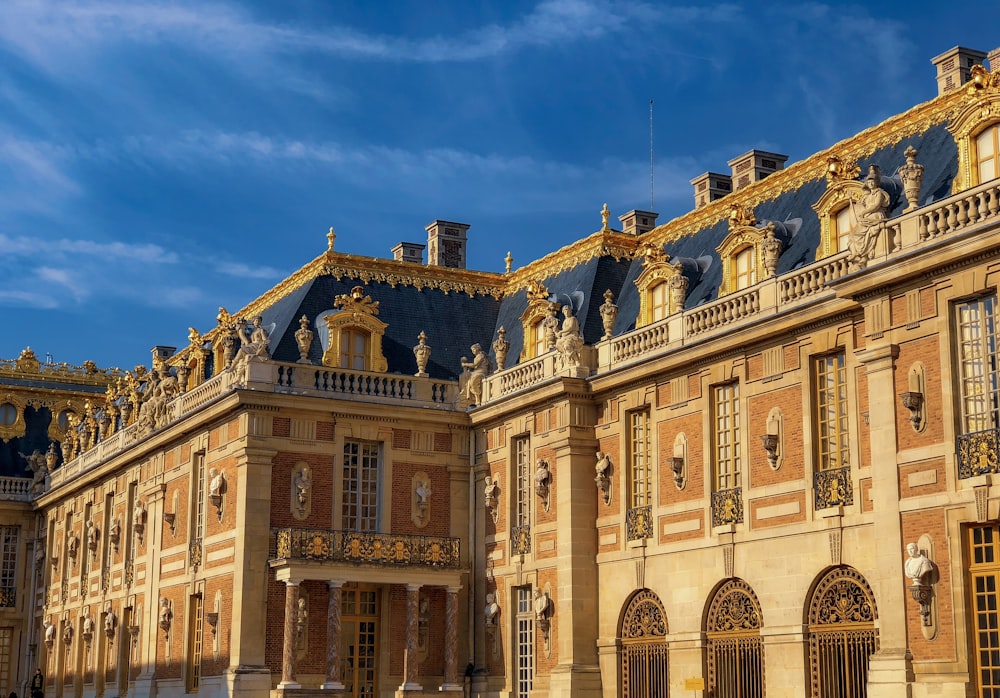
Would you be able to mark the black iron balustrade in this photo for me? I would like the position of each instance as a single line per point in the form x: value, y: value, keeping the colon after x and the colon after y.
x: 520, y: 540
x: 978, y: 453
x: 639, y: 522
x: 833, y: 487
x: 727, y: 507
x: 387, y: 549
x: 8, y: 597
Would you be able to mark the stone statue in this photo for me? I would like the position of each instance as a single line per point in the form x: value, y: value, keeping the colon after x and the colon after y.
x: 72, y: 546
x: 491, y: 611
x: 500, y: 348
x: 50, y: 633
x: 570, y: 340
x: 677, y: 284
x: 490, y: 492
x: 217, y: 483
x: 110, y: 623
x: 550, y: 327
x: 603, y: 475
x: 93, y: 537
x: 542, y: 479
x: 254, y: 347
x: 115, y: 534
x: 508, y: 262
x: 302, y: 482
x: 88, y: 628
x: 424, y: 493
x: 541, y: 605
x: 38, y: 467
x: 911, y: 175
x: 609, y: 313
x: 165, y: 615
x: 476, y: 370
x: 68, y: 634
x: 301, y: 616
x: 422, y: 352
x: 771, y: 249
x: 139, y: 518
x: 605, y: 215
x: 303, y: 338
x: 917, y: 566
x: 870, y: 215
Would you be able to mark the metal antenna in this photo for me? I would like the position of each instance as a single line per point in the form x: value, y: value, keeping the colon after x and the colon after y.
x: 651, y: 155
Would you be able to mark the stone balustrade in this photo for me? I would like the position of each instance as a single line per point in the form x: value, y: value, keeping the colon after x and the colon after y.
x: 15, y: 489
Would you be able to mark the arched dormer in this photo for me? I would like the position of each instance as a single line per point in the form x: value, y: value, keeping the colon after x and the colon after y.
x: 532, y: 321
x: 976, y: 129
x: 834, y: 207
x: 662, y: 287
x: 355, y: 334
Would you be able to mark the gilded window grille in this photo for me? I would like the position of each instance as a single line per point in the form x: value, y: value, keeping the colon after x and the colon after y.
x: 727, y: 507
x: 8, y: 597
x: 385, y: 549
x: 735, y: 648
x: 520, y: 540
x: 978, y: 453
x: 842, y: 634
x: 833, y: 488
x: 639, y: 522
x: 643, y: 647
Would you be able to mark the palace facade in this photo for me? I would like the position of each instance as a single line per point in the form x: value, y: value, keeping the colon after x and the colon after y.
x: 747, y: 452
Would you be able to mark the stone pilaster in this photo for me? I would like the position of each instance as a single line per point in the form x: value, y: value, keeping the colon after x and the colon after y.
x: 288, y: 647
x: 410, y: 660
x: 451, y: 682
x: 333, y: 630
x: 890, y: 671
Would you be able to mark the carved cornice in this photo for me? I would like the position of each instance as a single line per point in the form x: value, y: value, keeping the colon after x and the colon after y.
x: 28, y: 367
x: 862, y: 145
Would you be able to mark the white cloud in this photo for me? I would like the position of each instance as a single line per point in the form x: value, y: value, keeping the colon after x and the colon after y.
x: 30, y: 299
x: 246, y: 271
x: 103, y: 251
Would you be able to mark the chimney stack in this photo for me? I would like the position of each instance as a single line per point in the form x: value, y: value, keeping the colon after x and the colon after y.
x: 446, y: 244
x: 954, y: 66
x: 753, y: 166
x: 637, y: 222
x: 409, y: 252
x: 710, y: 186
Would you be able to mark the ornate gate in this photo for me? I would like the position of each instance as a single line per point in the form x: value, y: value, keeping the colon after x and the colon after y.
x: 842, y: 635
x: 735, y: 649
x: 643, y: 637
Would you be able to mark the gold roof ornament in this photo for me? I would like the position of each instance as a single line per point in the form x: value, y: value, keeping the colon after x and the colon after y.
x: 605, y: 215
x: 330, y: 239
x: 838, y: 169
x: 27, y: 361
x: 508, y: 261
x: 356, y: 302
x: 651, y: 253
x: 537, y: 292
x: 980, y: 78
x: 741, y: 216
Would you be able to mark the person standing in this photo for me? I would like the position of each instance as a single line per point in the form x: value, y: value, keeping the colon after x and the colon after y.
x: 38, y: 685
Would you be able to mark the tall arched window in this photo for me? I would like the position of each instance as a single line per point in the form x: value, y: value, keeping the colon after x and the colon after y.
x: 643, y: 643
x: 735, y: 648
x: 842, y: 635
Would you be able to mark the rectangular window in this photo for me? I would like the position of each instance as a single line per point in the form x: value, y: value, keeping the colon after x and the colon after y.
x: 8, y: 556
x: 659, y: 300
x: 984, y: 595
x: 988, y: 153
x: 360, y: 502
x: 726, y: 434
x: 525, y: 642
x: 639, y: 459
x: 830, y: 377
x: 6, y: 639
x: 198, y: 496
x: 195, y: 621
x: 522, y: 468
x: 977, y: 358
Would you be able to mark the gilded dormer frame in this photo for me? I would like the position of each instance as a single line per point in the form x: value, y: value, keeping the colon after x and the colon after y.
x: 739, y: 239
x: 842, y: 189
x: 17, y: 428
x: 357, y: 312
x: 979, y: 111
x: 656, y: 270
x: 537, y: 310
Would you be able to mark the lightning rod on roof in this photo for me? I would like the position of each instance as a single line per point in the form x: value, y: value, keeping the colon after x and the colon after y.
x: 650, y: 155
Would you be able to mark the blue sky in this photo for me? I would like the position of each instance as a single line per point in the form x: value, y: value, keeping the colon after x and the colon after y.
x: 159, y: 160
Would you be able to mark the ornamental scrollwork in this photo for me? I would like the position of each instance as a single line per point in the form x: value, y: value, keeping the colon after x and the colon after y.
x: 644, y: 617
x: 639, y: 522
x: 842, y: 596
x: 734, y: 608
x: 978, y: 453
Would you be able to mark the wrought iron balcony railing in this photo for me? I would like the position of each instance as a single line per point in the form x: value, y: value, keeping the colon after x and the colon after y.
x: 520, y: 540
x: 727, y: 506
x: 833, y: 487
x: 386, y: 549
x: 978, y: 453
x: 8, y: 597
x: 639, y: 522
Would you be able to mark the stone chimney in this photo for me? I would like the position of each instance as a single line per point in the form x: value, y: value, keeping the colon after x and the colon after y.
x: 754, y: 166
x: 638, y: 222
x: 710, y: 186
x: 163, y: 352
x: 993, y: 58
x: 446, y: 244
x: 954, y: 66
x: 409, y: 252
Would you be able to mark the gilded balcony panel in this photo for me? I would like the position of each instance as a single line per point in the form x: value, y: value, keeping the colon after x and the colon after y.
x: 978, y: 453
x: 8, y: 597
x: 833, y: 487
x: 639, y: 522
x: 520, y: 540
x: 727, y: 507
x: 385, y: 549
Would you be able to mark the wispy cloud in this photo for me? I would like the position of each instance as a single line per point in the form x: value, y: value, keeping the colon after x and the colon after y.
x: 246, y: 271
x: 66, y: 247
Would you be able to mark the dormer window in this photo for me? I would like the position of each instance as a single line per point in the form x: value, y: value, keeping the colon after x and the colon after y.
x: 842, y: 228
x: 746, y: 268
x: 354, y: 339
x: 988, y: 153
x: 659, y: 301
x: 354, y: 348
x: 977, y: 131
x: 538, y: 345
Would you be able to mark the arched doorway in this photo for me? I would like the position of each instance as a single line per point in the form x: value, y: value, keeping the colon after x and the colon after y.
x: 643, y: 642
x: 735, y: 648
x: 842, y: 635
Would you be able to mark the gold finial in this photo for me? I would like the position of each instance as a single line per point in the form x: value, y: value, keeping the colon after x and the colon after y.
x: 509, y: 261
x: 330, y: 237
x: 605, y: 215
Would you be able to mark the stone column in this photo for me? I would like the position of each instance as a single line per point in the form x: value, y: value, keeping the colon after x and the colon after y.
x: 333, y: 630
x: 288, y: 649
x: 410, y: 658
x: 451, y: 682
x: 890, y: 669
